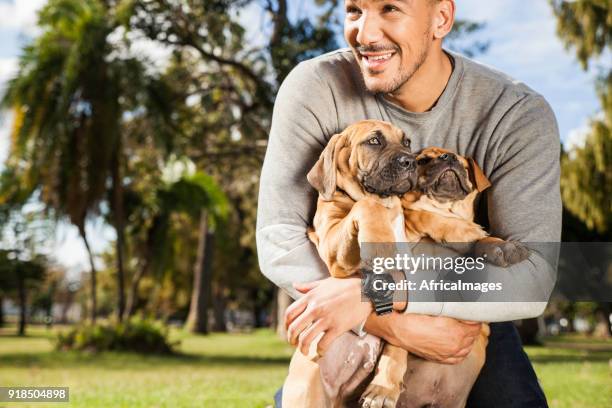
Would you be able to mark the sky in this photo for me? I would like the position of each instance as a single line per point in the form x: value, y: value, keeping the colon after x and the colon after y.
x: 523, y: 44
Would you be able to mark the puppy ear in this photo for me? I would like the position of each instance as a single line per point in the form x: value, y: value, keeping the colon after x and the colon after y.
x: 323, y: 176
x: 477, y: 177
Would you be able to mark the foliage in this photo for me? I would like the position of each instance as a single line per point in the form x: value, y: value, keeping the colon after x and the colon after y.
x: 460, y: 38
x: 585, y: 25
x: 586, y: 182
x: 13, y: 269
x: 65, y: 102
x: 586, y: 175
x: 142, y: 336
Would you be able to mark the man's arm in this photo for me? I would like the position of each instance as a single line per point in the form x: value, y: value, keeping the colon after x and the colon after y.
x: 303, y: 120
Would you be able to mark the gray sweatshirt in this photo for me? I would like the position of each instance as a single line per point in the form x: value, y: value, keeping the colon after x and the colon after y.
x: 504, y: 125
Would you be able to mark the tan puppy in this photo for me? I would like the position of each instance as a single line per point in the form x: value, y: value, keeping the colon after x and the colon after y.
x: 359, y: 176
x: 442, y: 210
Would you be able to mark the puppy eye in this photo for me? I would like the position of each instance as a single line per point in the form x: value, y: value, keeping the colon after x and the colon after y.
x: 443, y: 156
x: 406, y: 142
x: 374, y: 141
x: 423, y: 161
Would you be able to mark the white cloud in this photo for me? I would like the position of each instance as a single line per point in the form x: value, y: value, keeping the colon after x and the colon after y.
x: 6, y: 122
x: 68, y: 248
x: 8, y: 68
x: 479, y: 10
x: 255, y: 20
x: 20, y: 15
x: 576, y: 138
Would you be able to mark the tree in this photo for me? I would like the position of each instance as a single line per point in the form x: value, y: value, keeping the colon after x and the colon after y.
x: 70, y: 95
x: 193, y: 193
x: 584, y: 25
x: 21, y: 270
x: 586, y: 172
x: 586, y: 180
x: 586, y: 176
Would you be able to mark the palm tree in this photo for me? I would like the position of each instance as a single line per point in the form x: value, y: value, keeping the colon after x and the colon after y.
x: 195, y: 194
x: 71, y: 93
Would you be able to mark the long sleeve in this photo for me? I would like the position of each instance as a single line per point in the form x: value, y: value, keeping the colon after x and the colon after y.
x: 524, y: 204
x: 303, y: 120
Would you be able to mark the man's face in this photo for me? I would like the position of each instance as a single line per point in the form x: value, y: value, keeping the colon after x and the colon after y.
x: 390, y: 39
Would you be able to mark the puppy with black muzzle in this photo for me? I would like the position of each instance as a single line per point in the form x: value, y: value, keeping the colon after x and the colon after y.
x: 442, y: 206
x: 359, y: 176
x: 441, y: 209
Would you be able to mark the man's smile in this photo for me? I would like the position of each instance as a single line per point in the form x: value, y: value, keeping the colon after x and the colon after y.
x: 376, y: 60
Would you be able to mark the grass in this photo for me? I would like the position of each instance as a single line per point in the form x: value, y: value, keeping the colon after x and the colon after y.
x: 244, y: 370
x: 220, y: 370
x: 575, y: 371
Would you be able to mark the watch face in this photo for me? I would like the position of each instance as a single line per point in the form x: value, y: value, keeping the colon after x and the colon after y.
x: 376, y: 287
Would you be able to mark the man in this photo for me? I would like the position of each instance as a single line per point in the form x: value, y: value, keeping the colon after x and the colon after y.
x: 396, y: 70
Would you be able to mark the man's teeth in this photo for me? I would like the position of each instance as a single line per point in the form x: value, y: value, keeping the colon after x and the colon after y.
x: 379, y: 57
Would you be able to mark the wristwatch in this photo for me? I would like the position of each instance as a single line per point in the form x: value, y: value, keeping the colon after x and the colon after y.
x: 375, y: 286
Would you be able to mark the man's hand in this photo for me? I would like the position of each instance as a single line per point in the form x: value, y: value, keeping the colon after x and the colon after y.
x: 331, y: 306
x: 439, y: 339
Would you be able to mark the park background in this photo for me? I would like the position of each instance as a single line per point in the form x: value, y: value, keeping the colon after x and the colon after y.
x: 132, y: 135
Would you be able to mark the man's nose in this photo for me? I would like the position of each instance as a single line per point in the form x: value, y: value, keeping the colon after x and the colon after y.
x: 369, y: 30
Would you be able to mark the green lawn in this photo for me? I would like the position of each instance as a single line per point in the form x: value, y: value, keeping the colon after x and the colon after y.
x: 244, y: 370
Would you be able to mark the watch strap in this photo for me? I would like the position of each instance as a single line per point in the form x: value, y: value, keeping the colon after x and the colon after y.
x: 383, y: 308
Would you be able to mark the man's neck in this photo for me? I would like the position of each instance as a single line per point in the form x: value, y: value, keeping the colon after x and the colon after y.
x: 423, y: 90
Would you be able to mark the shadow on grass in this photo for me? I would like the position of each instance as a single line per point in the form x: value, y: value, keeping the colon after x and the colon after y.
x: 121, y: 361
x: 592, y: 357
x: 8, y: 335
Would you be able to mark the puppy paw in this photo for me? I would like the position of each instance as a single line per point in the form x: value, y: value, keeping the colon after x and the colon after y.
x: 376, y: 396
x: 502, y: 253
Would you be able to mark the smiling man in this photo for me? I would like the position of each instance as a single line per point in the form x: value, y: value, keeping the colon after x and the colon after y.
x: 397, y: 70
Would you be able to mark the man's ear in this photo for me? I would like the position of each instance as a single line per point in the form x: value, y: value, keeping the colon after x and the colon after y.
x: 477, y: 176
x: 323, y: 175
x: 444, y: 18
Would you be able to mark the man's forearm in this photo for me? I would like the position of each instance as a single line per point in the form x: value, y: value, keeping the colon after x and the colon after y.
x: 526, y: 288
x: 287, y: 256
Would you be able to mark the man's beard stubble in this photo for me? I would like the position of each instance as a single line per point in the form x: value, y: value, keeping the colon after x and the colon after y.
x: 406, y: 75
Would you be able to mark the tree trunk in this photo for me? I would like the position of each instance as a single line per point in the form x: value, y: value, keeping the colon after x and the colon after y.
x: 118, y: 221
x: 602, y: 328
x: 528, y: 330
x: 160, y: 223
x: 94, y: 301
x: 274, y: 309
x: 21, y: 289
x: 219, y: 309
x: 197, y: 322
x: 133, y: 292
x: 1, y: 311
x: 283, y: 300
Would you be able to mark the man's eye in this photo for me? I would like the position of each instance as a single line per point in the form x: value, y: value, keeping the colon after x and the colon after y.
x: 387, y: 8
x: 352, y: 10
x: 374, y: 141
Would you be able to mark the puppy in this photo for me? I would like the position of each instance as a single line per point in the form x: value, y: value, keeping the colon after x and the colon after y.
x: 442, y: 210
x: 442, y: 207
x: 359, y: 176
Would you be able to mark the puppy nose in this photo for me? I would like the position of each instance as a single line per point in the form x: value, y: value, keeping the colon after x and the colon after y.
x: 406, y: 160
